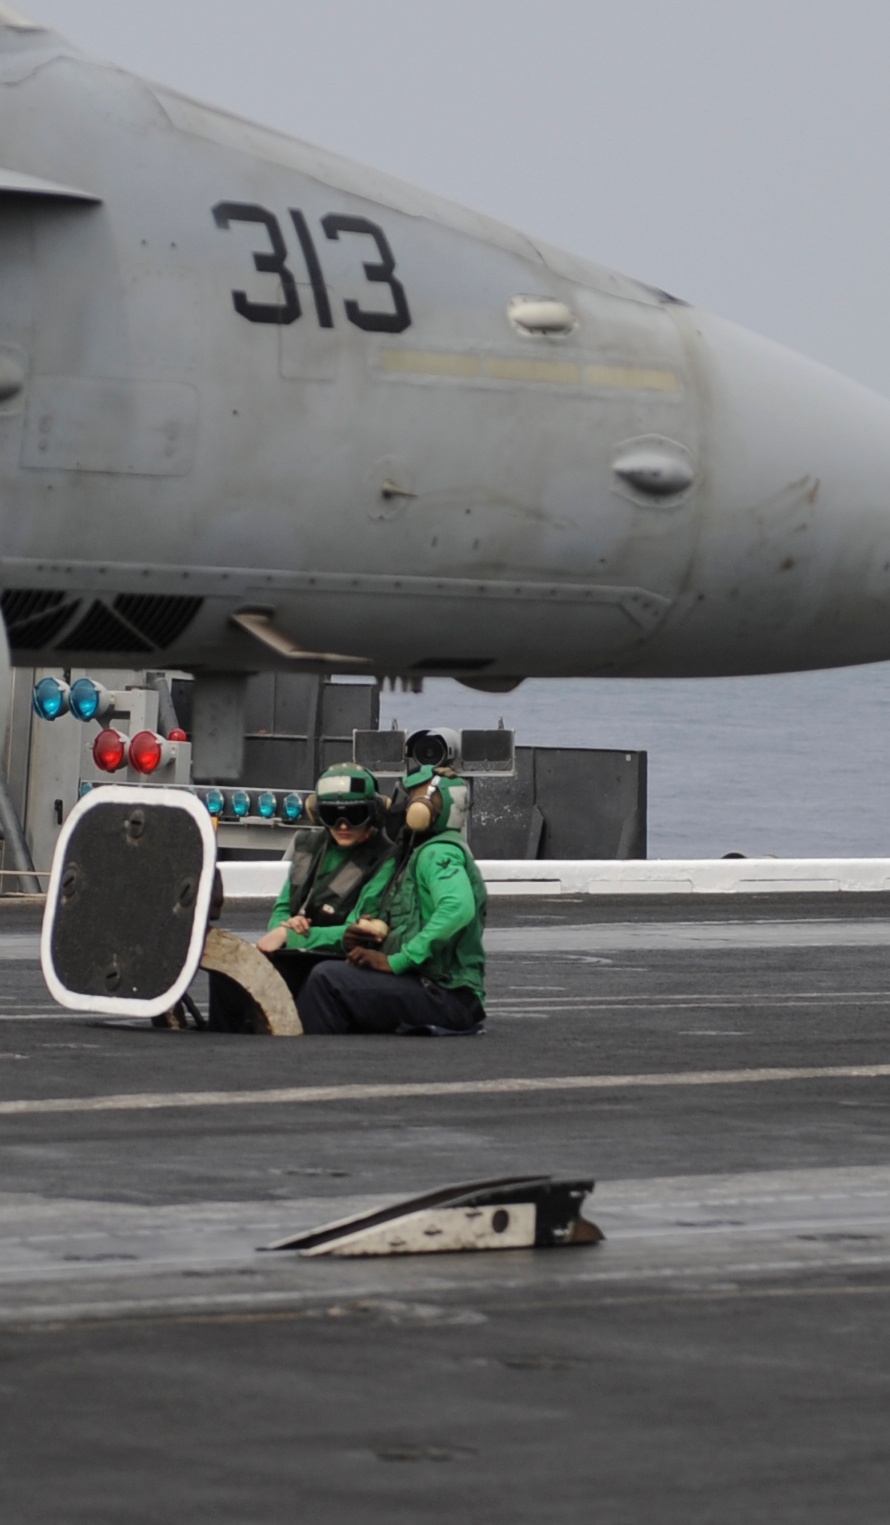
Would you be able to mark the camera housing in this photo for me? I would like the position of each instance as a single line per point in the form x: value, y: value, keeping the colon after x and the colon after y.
x: 432, y: 749
x: 470, y: 753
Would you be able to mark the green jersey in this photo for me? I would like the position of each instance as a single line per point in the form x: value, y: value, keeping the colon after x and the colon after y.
x: 325, y: 883
x: 436, y: 914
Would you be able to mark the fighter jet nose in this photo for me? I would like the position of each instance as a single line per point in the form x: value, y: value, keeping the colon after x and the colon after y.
x: 792, y: 563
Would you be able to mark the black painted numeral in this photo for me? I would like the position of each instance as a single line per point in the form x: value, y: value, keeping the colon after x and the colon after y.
x: 274, y: 263
x: 373, y: 322
x: 313, y: 267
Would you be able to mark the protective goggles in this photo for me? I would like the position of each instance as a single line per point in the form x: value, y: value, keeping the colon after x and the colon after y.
x: 348, y: 812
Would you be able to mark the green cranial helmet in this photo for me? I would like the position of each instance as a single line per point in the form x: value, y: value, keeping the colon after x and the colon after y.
x: 346, y: 782
x: 455, y: 794
x: 346, y: 795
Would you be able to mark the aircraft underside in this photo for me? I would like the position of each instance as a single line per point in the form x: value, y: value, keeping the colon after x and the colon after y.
x: 260, y: 407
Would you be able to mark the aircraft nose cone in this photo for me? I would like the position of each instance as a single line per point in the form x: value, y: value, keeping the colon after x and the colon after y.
x: 792, y: 562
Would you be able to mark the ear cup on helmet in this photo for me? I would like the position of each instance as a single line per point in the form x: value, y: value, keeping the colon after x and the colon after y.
x: 419, y: 816
x: 310, y: 809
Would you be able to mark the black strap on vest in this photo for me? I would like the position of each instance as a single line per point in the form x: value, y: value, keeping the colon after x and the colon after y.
x: 339, y: 893
x: 305, y: 866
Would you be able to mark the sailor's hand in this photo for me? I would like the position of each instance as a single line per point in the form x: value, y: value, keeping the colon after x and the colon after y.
x: 299, y: 924
x: 365, y: 933
x: 369, y: 958
x: 273, y: 941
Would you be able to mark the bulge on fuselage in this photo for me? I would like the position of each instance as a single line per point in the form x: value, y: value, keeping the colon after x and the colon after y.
x: 263, y: 407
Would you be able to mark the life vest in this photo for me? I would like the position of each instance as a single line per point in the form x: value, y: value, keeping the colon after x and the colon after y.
x: 327, y: 898
x: 462, y: 961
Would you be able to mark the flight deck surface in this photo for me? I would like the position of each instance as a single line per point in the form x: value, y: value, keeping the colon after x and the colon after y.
x: 721, y: 1068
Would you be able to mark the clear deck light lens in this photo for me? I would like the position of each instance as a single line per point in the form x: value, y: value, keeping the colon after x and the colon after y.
x: 50, y: 698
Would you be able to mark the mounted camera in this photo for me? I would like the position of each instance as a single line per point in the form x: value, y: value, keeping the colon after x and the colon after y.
x: 469, y: 753
x: 432, y: 749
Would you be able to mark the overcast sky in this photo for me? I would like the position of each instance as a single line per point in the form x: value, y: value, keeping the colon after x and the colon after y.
x: 733, y: 153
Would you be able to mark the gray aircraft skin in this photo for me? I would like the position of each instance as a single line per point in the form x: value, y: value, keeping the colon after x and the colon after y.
x: 262, y: 407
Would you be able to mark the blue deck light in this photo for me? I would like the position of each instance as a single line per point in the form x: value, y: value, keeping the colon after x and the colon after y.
x: 86, y: 699
x: 50, y: 698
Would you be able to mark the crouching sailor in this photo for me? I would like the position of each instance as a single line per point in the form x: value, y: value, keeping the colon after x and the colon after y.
x: 415, y: 962
x: 334, y: 860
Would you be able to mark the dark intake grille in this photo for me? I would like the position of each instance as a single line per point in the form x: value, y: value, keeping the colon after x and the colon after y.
x: 34, y: 618
x: 161, y: 619
x: 137, y: 622
x: 101, y: 630
x: 20, y: 604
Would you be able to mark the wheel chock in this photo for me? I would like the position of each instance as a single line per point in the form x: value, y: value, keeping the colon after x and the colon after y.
x: 510, y: 1213
x: 273, y: 1004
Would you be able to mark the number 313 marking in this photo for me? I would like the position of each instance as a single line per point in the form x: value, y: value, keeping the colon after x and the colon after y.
x: 274, y: 261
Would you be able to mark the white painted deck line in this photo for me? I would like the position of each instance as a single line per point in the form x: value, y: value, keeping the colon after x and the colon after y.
x: 650, y: 876
x: 153, y: 1101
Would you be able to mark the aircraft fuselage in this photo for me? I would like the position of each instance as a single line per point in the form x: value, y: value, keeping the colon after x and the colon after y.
x: 245, y: 377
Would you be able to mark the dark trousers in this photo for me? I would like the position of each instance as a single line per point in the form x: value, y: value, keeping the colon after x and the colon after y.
x: 339, y: 998
x: 230, y: 1008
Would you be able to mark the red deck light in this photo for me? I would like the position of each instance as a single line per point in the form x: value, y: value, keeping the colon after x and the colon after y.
x: 110, y: 751
x: 149, y: 751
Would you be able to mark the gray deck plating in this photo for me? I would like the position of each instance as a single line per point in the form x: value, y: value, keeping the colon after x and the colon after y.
x: 727, y: 1345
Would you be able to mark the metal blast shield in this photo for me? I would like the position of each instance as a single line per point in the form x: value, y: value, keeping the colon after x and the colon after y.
x: 128, y: 901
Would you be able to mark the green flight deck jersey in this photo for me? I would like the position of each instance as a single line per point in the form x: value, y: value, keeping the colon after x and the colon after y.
x: 437, y: 916
x: 332, y: 879
x: 436, y: 903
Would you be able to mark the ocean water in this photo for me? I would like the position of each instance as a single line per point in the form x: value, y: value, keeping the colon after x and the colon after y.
x: 794, y: 764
